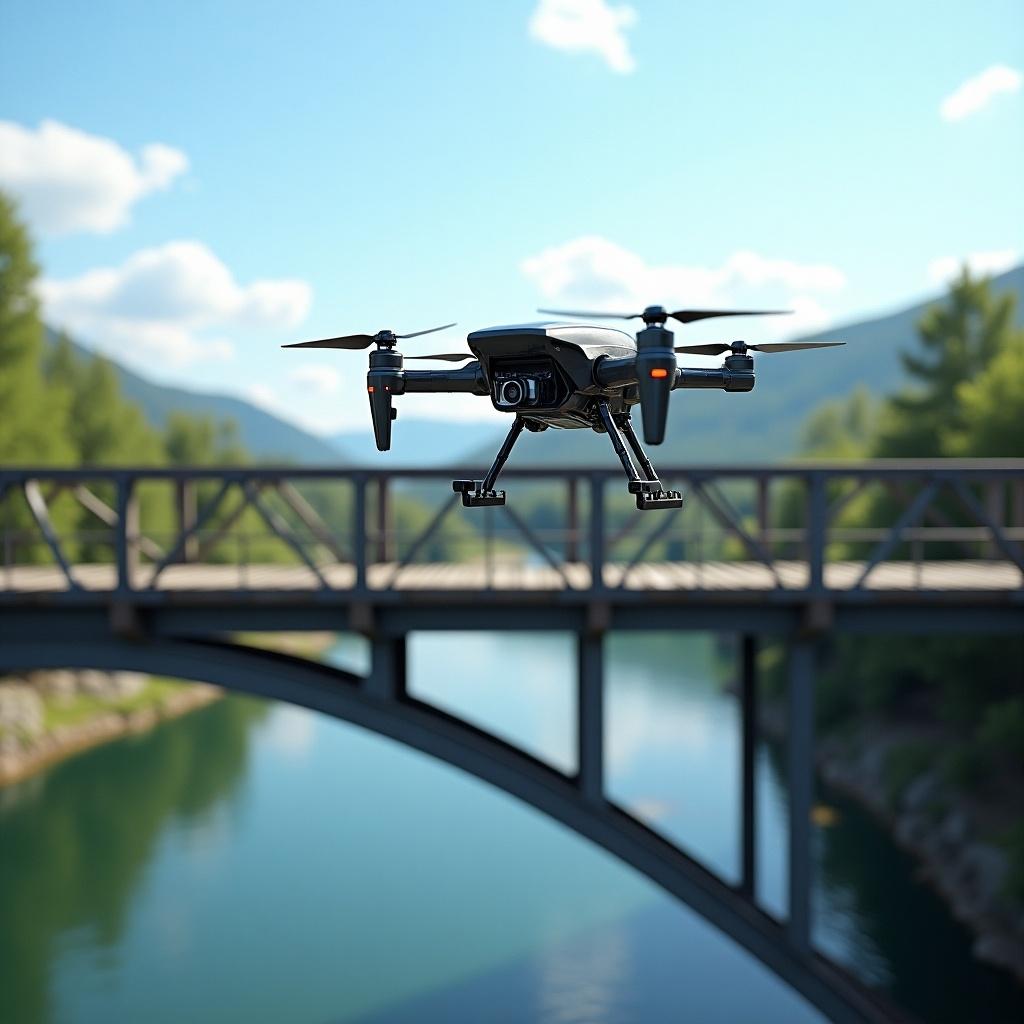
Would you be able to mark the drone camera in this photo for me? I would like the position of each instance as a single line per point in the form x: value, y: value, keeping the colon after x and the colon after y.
x: 515, y: 388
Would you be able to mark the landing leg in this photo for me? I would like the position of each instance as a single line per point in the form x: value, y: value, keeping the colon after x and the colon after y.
x: 481, y: 492
x: 649, y: 492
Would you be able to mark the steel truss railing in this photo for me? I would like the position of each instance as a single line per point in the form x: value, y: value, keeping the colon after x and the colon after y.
x: 791, y: 522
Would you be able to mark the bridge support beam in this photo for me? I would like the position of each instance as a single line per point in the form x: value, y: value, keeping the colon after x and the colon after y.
x: 590, y: 715
x: 800, y: 769
x: 387, y: 679
x: 748, y: 771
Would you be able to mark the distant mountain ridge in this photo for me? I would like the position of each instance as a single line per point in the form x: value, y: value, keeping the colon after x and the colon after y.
x: 704, y: 426
x: 264, y: 435
x: 764, y: 425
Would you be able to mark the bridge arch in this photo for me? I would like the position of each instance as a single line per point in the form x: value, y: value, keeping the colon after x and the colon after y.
x: 347, y: 696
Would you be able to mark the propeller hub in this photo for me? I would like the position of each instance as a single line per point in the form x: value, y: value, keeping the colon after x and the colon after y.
x: 386, y: 339
x: 654, y: 315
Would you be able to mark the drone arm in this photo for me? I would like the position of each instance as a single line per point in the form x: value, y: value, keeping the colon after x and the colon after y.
x: 467, y: 379
x: 724, y: 378
x: 611, y: 373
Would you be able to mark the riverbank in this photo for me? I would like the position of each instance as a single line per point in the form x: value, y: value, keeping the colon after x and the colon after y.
x: 48, y: 716
x: 884, y: 766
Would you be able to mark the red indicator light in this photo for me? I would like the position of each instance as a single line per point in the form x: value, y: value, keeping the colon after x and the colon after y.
x: 659, y: 373
x: 370, y: 389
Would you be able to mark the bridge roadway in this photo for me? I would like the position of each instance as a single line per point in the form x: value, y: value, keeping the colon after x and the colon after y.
x: 169, y: 605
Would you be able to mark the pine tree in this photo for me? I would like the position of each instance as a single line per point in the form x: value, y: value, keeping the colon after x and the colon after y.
x: 32, y: 416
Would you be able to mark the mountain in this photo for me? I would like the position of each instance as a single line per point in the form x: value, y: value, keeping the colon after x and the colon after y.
x: 713, y: 426
x: 423, y: 442
x: 264, y: 435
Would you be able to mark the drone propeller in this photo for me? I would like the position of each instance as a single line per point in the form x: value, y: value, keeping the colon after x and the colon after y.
x: 448, y: 357
x: 658, y: 315
x: 740, y: 347
x: 357, y: 341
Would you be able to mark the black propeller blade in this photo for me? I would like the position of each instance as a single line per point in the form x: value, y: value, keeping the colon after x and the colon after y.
x: 739, y: 347
x: 655, y: 314
x: 448, y: 357
x: 348, y: 341
x: 356, y: 341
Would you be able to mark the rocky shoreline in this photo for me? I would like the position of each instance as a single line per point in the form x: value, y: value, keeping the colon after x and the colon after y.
x: 942, y: 829
x: 48, y: 716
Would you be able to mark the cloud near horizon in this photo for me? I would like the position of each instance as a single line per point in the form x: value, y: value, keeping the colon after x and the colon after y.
x: 66, y: 180
x: 976, y: 93
x: 171, y: 302
x: 596, y: 272
x: 946, y: 269
x: 586, y: 26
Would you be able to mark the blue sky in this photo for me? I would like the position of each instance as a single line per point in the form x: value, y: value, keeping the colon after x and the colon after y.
x: 324, y: 168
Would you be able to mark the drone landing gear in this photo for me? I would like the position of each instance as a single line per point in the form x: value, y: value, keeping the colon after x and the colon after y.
x: 476, y: 493
x: 647, y: 488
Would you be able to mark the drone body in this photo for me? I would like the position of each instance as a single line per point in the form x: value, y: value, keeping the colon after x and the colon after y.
x: 566, y: 376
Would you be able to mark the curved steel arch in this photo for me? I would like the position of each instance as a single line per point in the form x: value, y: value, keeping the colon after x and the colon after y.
x: 343, y: 695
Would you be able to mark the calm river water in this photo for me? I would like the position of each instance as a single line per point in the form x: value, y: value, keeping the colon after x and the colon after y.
x: 256, y: 862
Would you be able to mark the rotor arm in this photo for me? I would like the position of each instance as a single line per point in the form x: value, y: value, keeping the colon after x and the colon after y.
x: 724, y: 378
x: 613, y: 373
x: 467, y: 379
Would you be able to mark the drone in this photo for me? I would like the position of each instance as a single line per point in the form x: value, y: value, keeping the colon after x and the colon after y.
x: 568, y: 376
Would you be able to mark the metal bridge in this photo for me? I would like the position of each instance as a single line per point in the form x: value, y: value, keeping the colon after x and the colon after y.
x: 157, y: 569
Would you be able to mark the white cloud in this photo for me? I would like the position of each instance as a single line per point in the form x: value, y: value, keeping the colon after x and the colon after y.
x: 946, y: 269
x: 594, y: 271
x: 172, y: 303
x: 320, y: 378
x: 977, y: 92
x: 581, y: 26
x: 67, y: 180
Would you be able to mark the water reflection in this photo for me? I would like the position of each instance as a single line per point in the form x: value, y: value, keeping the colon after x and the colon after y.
x: 263, y: 863
x: 76, y: 843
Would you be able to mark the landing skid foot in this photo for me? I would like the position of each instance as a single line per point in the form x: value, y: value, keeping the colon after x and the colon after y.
x: 650, y: 494
x: 474, y: 495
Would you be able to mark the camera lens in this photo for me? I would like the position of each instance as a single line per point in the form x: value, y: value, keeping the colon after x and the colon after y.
x: 512, y: 392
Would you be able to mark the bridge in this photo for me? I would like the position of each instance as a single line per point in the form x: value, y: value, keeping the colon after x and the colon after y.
x: 158, y: 569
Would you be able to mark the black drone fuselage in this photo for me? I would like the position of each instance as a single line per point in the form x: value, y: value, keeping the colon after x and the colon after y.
x: 558, y: 375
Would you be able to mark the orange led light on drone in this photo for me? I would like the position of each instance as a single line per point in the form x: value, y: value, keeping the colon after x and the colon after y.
x: 659, y: 373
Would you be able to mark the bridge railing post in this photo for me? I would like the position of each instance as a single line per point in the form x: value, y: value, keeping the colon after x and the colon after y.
x: 384, y: 539
x: 815, y: 531
x: 572, y: 519
x: 359, y: 543
x: 800, y: 771
x: 597, y: 532
x: 126, y: 536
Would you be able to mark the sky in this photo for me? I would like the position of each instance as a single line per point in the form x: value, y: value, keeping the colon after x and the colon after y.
x: 206, y: 181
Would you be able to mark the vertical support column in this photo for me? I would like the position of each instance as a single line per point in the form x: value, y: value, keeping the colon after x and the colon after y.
x: 817, y: 515
x: 590, y: 715
x: 572, y: 516
x: 994, y: 508
x: 186, y: 512
x: 800, y: 784
x: 748, y: 773
x: 127, y: 537
x: 383, y: 520
x: 359, y: 530
x: 387, y: 679
x: 597, y: 533
x: 762, y: 510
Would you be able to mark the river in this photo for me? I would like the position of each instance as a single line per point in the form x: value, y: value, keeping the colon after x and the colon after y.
x: 257, y: 862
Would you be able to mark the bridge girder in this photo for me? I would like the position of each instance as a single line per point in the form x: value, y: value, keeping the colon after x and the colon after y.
x: 383, y: 707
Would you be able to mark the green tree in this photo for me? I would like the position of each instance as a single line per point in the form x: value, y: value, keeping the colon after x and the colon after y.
x: 959, y: 339
x: 32, y: 416
x: 991, y: 408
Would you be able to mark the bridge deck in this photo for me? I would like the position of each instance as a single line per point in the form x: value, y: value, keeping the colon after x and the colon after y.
x: 962, y: 577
